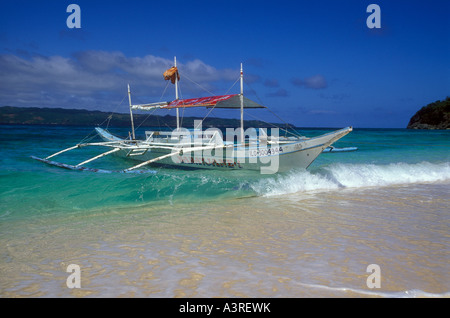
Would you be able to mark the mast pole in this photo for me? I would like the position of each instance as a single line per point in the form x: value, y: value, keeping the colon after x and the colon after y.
x: 176, y: 94
x: 242, y: 105
x: 131, y: 113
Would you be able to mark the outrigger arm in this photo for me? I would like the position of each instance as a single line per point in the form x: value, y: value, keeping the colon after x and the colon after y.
x: 150, y: 161
x: 117, y: 146
x: 62, y: 151
x: 174, y: 153
x: 99, y: 156
x: 107, y: 144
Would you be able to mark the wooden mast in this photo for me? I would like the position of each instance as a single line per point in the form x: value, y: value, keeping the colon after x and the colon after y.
x: 131, y: 114
x: 176, y: 93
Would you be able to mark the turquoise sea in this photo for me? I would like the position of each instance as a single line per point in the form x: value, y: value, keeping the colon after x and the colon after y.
x: 198, y: 233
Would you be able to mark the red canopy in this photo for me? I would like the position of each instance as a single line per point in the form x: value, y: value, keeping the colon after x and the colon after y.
x: 223, y: 101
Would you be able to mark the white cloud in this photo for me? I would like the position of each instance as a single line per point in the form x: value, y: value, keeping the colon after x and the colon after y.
x: 95, y: 78
x: 281, y: 92
x: 271, y: 83
x: 315, y: 82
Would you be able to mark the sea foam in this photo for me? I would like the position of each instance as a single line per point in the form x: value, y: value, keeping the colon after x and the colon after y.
x: 337, y: 176
x: 413, y: 293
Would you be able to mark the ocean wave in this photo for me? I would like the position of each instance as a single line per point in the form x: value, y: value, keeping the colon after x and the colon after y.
x: 337, y: 176
x: 86, y: 190
x: 413, y: 293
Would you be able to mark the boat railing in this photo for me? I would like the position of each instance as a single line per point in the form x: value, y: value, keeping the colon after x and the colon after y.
x: 185, y: 138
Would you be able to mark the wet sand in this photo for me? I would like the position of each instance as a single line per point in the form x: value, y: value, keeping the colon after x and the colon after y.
x: 304, y: 244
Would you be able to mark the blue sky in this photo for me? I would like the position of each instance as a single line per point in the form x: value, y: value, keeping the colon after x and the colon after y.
x: 313, y: 63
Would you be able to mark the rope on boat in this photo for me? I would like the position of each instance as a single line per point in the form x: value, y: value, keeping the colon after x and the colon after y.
x: 273, y: 113
x: 88, y: 137
x: 202, y: 87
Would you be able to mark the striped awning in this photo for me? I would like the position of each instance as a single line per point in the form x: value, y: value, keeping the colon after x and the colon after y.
x: 223, y: 101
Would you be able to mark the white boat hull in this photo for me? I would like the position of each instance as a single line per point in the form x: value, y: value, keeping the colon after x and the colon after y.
x: 267, y: 159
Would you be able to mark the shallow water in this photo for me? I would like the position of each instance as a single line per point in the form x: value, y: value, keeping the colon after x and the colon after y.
x: 205, y: 234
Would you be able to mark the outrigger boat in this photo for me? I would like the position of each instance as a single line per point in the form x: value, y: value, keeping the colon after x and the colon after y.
x: 250, y: 149
x: 345, y: 149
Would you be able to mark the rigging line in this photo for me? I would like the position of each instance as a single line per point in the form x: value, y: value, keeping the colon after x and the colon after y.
x: 289, y: 132
x: 182, y: 117
x: 202, y: 87
x: 165, y: 89
x: 151, y: 113
x: 273, y: 113
x: 114, y: 110
x: 143, y: 121
x: 232, y: 85
x: 212, y: 108
x: 187, y: 77
x: 216, y: 104
x: 87, y: 138
x: 287, y: 124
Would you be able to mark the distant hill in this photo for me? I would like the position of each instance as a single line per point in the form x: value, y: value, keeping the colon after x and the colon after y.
x: 80, y: 117
x: 433, y: 116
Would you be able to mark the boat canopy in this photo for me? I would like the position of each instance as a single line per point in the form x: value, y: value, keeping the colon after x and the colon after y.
x: 224, y: 101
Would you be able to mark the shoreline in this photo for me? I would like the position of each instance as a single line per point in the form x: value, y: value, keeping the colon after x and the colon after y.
x: 293, y: 246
